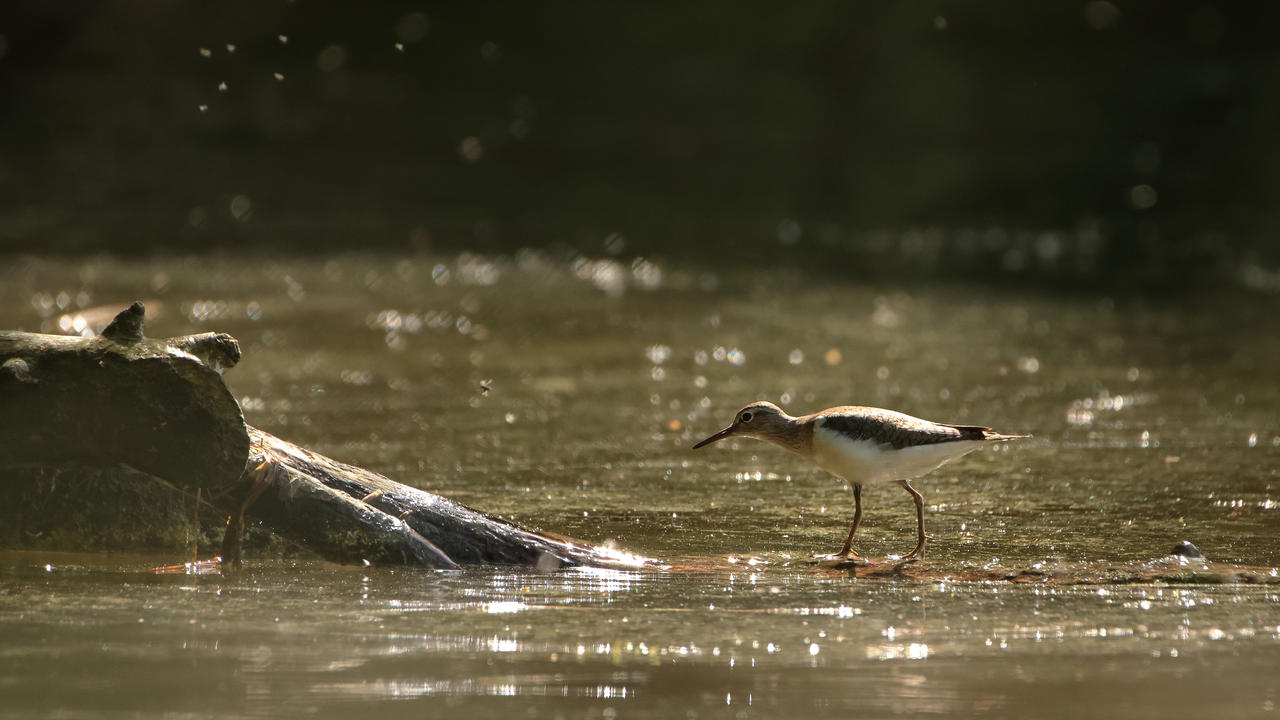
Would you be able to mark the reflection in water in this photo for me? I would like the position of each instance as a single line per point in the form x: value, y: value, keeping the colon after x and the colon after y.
x: 600, y: 374
x: 606, y: 635
x: 305, y: 637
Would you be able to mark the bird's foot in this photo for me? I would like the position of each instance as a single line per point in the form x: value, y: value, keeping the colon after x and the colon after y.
x: 918, y: 552
x: 846, y: 558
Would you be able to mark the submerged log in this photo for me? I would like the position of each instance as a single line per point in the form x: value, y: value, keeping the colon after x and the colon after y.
x: 316, y: 501
x: 81, y: 407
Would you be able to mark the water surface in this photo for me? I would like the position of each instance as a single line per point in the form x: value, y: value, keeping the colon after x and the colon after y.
x: 1154, y: 421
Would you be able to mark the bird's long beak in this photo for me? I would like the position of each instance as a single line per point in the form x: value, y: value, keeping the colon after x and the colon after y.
x: 718, y: 436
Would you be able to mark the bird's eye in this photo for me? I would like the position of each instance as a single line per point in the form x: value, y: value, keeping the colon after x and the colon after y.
x: 746, y: 417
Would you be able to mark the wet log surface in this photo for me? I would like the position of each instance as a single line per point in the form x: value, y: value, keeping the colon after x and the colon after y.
x: 158, y: 406
x: 316, y: 502
x: 121, y: 409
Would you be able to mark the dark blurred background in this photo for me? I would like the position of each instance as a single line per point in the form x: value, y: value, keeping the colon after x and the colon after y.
x: 1084, y: 142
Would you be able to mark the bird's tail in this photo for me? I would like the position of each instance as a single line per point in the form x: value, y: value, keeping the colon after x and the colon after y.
x: 997, y: 436
x: 982, y: 432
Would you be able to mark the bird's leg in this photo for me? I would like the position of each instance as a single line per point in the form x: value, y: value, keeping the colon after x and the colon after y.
x: 847, y: 550
x: 918, y: 553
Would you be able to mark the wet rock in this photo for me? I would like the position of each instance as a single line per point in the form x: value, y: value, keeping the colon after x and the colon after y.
x: 1187, y: 550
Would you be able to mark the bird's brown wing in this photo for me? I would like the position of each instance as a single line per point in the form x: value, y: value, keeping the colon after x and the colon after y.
x: 886, y: 427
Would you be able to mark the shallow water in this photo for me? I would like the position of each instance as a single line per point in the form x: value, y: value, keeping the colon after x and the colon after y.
x: 1154, y: 421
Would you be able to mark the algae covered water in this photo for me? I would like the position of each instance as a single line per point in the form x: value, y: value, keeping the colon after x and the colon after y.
x: 564, y: 393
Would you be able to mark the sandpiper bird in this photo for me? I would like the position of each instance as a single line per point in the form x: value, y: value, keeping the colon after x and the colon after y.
x: 863, y: 445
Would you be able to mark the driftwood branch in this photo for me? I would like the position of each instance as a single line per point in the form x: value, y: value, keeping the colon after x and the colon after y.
x: 316, y: 501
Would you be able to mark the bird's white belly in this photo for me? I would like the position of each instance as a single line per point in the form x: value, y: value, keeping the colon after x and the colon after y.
x: 864, y: 461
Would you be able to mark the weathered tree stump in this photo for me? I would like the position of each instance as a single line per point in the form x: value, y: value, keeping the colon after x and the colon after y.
x: 120, y: 398
x: 145, y: 408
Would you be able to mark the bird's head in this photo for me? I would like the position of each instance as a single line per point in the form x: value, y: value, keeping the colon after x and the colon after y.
x: 760, y: 420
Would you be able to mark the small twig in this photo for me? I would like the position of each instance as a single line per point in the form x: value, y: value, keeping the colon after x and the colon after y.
x: 231, y: 538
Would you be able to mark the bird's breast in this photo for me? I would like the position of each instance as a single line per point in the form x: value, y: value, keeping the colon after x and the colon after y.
x: 852, y: 459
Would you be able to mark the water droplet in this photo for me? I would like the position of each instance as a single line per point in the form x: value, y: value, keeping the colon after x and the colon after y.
x: 471, y: 149
x: 647, y: 275
x: 658, y: 354
x: 1143, y: 197
x: 332, y: 58
x: 241, y: 207
x: 789, y: 232
x: 1101, y: 15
